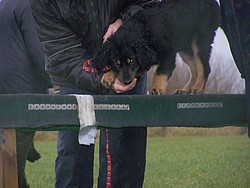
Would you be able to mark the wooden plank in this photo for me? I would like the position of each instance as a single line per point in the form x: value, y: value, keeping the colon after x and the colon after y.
x: 8, y: 160
x: 50, y: 112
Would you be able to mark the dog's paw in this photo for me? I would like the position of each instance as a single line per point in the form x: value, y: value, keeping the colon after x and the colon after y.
x: 196, y: 90
x: 108, y: 79
x: 182, y: 91
x: 157, y: 91
x: 188, y: 91
x: 198, y: 87
x: 159, y: 84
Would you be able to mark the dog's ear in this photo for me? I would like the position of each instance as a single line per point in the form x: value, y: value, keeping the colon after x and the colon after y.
x: 102, y: 57
x: 145, y: 55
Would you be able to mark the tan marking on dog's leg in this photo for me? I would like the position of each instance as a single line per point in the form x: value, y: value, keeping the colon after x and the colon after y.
x: 108, y: 79
x: 159, y: 84
x: 200, y: 82
x: 190, y: 61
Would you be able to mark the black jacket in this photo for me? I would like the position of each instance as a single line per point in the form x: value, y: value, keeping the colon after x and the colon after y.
x: 21, y: 54
x: 71, y: 32
x: 236, y: 25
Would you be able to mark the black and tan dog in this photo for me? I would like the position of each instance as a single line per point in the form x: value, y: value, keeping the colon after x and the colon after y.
x: 154, y: 36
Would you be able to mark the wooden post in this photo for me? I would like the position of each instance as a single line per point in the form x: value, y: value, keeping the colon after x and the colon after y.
x: 8, y: 159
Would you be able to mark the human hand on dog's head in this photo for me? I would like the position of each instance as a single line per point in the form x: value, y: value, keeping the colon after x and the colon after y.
x: 112, y: 29
x: 119, y: 87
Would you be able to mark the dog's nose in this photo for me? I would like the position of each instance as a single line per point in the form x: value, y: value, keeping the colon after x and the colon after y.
x: 126, y: 82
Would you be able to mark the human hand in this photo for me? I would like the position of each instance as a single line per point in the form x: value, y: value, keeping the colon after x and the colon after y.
x: 119, y: 87
x: 112, y: 29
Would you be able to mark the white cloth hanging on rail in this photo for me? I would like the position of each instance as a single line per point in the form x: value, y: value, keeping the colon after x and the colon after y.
x: 86, y: 115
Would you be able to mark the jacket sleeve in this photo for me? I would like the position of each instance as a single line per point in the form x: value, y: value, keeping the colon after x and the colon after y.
x: 33, y: 46
x: 63, y: 48
x: 136, y: 6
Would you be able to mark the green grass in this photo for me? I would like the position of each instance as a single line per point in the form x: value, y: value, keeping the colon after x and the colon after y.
x: 208, y: 161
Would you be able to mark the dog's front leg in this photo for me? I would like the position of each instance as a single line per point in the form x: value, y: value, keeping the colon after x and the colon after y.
x: 163, y: 72
x: 159, y: 84
x: 108, y: 79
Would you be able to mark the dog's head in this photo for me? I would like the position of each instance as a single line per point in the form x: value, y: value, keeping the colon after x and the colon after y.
x: 127, y: 54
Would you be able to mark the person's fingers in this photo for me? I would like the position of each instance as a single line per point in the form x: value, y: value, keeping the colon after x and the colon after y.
x: 106, y: 36
x: 112, y: 29
x: 118, y: 87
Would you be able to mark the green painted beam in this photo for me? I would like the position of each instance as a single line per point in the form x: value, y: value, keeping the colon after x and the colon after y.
x: 50, y: 112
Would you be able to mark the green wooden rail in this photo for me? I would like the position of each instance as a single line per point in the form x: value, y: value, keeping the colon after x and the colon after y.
x: 50, y: 112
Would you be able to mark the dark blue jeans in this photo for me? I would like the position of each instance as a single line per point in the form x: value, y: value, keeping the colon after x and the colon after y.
x: 74, y: 162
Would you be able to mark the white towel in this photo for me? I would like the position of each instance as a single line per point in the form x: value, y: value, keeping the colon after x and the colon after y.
x: 86, y: 115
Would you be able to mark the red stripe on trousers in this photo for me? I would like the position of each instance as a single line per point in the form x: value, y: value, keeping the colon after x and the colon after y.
x: 109, y: 162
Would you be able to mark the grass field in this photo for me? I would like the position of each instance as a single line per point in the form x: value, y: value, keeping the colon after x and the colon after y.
x: 190, y: 161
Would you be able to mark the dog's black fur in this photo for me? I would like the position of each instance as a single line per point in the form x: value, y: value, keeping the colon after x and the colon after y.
x: 154, y: 36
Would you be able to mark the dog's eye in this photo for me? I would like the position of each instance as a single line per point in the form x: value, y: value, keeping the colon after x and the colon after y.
x: 118, y: 62
x: 129, y: 61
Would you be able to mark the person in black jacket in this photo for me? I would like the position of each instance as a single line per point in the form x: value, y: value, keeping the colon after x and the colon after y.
x: 22, y: 65
x: 72, y: 31
x: 235, y: 16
